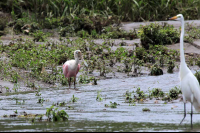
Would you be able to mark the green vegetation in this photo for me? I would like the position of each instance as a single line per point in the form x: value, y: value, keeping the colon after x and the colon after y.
x: 99, y: 98
x: 130, y: 99
x: 139, y: 95
x: 193, y: 32
x: 145, y: 109
x: 156, y: 34
x: 54, y: 114
x: 40, y: 100
x: 74, y: 99
x: 135, y: 10
x: 96, y: 19
x: 156, y: 70
x: 156, y: 92
x: 174, y: 92
x: 112, y: 105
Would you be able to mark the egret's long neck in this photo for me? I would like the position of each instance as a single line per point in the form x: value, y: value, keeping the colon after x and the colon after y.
x: 184, y: 70
x: 181, y: 42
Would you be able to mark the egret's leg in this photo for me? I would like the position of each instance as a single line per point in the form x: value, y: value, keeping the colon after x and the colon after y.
x: 192, y: 98
x: 184, y: 113
x: 191, y: 114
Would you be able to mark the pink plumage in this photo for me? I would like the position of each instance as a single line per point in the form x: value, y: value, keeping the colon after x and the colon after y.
x: 70, y: 73
x: 72, y: 67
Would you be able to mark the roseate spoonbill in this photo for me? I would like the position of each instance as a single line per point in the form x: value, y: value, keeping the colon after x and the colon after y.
x: 71, y: 67
x: 189, y: 83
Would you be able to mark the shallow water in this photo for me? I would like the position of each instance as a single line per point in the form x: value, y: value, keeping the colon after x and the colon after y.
x: 91, y: 115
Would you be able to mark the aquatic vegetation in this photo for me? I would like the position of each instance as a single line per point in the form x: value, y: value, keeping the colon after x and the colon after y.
x: 19, y: 103
x: 156, y: 92
x: 7, y: 89
x: 40, y: 100
x: 54, y: 114
x: 5, y: 115
x: 99, y: 98
x: 62, y: 104
x: 112, y: 105
x: 15, y: 112
x: 94, y: 80
x: 139, y: 94
x: 59, y: 104
x: 30, y: 84
x: 83, y: 79
x: 16, y: 87
x: 43, y: 61
x: 130, y: 98
x: 37, y: 93
x: 74, y: 99
x: 156, y: 70
x: 171, y: 65
x: 174, y: 92
x: 145, y: 109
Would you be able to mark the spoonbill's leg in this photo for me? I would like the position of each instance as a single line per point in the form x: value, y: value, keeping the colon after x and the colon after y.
x: 74, y: 82
x: 69, y: 81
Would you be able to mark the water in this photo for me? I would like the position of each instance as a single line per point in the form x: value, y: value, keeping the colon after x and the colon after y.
x: 88, y: 114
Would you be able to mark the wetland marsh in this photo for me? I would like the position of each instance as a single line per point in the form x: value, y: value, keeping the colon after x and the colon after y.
x: 132, y: 79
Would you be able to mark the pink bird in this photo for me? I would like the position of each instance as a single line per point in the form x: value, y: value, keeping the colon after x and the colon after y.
x: 71, y: 68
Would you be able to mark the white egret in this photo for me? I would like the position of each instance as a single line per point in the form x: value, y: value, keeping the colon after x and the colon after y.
x: 189, y: 83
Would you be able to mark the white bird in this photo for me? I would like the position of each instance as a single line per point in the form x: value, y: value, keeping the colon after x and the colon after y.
x: 189, y: 83
x: 71, y: 67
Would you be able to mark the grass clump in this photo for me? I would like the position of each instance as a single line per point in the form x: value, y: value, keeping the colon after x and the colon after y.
x: 156, y: 70
x: 74, y: 99
x: 145, y: 109
x: 193, y: 32
x: 112, y: 105
x: 54, y: 114
x: 156, y: 92
x: 99, y: 98
x: 174, y: 92
x: 156, y: 34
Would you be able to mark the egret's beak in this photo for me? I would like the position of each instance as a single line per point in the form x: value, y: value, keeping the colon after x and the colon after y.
x: 173, y: 18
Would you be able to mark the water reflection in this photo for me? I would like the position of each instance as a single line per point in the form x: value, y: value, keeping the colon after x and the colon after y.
x: 89, y: 126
